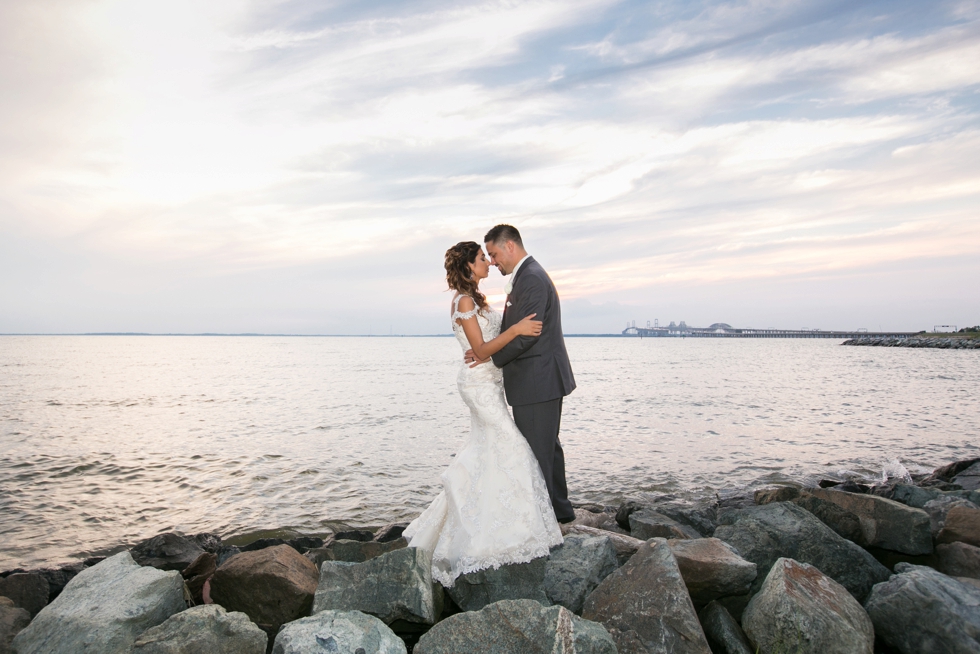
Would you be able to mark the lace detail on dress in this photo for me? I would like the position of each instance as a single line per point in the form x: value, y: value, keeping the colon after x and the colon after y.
x: 494, y: 508
x: 463, y: 315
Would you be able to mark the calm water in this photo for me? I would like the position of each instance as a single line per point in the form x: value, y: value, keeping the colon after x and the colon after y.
x: 108, y: 440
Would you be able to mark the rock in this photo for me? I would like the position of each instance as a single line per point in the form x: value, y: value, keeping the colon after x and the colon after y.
x: 762, y: 534
x: 576, y: 567
x: 272, y: 586
x: 57, y: 578
x: 846, y: 486
x: 353, y: 551
x: 646, y: 607
x: 517, y: 626
x: 624, y: 545
x: 597, y: 520
x: 208, y: 542
x: 909, y: 495
x: 167, y: 551
x: 390, y: 532
x: 103, y: 609
x: 885, y: 523
x: 474, y: 590
x: 722, y: 631
x: 626, y: 509
x: 12, y: 620
x: 648, y: 524
x: 969, y: 581
x: 354, y: 534
x: 780, y: 494
x: 800, y: 609
x: 394, y: 586
x: 226, y: 552
x: 338, y: 631
x: 711, y: 568
x: 962, y: 525
x: 920, y: 610
x: 844, y: 523
x: 262, y: 543
x: 958, y: 560
x: 701, y: 516
x: 199, y: 572
x: 969, y: 479
x: 304, y: 544
x: 938, y: 508
x: 28, y: 590
x: 203, y: 630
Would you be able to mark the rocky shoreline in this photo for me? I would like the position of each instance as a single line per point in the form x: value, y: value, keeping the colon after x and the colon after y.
x: 914, y: 341
x: 841, y: 567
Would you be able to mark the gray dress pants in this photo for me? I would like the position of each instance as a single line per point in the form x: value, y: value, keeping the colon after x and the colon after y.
x: 540, y: 423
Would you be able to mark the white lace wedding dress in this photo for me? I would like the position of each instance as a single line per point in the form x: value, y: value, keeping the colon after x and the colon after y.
x: 494, y: 508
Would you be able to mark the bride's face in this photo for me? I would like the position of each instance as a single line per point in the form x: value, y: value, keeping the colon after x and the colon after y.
x: 480, y: 267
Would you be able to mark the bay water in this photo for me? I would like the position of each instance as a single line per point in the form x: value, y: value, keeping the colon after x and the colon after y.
x: 106, y: 440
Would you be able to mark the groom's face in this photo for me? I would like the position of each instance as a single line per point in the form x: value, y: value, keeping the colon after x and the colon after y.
x: 500, y: 256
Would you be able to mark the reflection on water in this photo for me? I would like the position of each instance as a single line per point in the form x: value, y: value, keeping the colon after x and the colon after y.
x: 107, y: 440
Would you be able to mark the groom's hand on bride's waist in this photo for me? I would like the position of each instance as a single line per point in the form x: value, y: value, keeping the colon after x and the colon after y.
x: 470, y: 358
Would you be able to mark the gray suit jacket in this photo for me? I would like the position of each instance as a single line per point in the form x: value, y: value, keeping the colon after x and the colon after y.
x: 536, y: 369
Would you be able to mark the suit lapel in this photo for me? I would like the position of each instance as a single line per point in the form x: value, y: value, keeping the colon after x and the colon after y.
x: 513, y: 285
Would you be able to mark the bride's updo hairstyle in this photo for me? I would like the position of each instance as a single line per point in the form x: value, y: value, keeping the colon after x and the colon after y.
x: 458, y: 274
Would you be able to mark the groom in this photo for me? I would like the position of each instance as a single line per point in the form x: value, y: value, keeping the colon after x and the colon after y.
x: 537, y: 375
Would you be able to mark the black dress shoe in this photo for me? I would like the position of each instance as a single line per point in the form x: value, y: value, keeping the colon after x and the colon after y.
x: 565, y: 521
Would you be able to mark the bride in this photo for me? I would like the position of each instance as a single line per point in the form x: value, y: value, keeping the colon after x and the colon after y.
x: 494, y: 508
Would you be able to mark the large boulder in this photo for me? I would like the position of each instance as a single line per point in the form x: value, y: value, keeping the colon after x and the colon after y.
x: 722, y: 631
x: 885, y: 523
x: 969, y: 479
x: 700, y: 515
x: 843, y: 522
x: 597, y: 520
x: 648, y: 524
x: 103, y: 609
x: 762, y: 534
x: 12, y: 620
x: 624, y: 545
x: 198, y: 572
x: 517, y: 626
x: 711, y: 568
x: 169, y: 551
x: 800, y: 609
x: 272, y: 586
x: 338, y: 631
x: 646, y: 607
x: 28, y: 590
x: 353, y: 551
x: 203, y: 630
x: 958, y: 560
x: 58, y: 578
x: 393, y: 586
x: 962, y: 525
x: 390, y: 532
x: 909, y: 494
x: 474, y: 590
x: 576, y: 567
x: 921, y: 611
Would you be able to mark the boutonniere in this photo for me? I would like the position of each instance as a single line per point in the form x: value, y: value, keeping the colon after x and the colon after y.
x: 509, y: 286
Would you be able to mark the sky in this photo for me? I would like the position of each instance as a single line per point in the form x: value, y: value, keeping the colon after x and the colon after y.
x: 302, y: 166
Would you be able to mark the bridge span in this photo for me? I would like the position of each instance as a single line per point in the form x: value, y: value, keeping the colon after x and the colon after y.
x: 722, y: 330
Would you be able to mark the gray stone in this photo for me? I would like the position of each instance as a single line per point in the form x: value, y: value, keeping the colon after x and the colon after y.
x: 778, y: 494
x: 701, y: 516
x: 962, y: 525
x: 597, y: 520
x: 762, y: 534
x: 12, y: 620
x: 624, y: 545
x: 103, y: 609
x: 648, y: 524
x: 169, y: 551
x: 474, y: 590
x: 800, y: 609
x: 722, y: 631
x: 885, y: 523
x: 958, y: 560
x: 353, y: 551
x: 914, y: 496
x: 393, y: 586
x: 576, y: 567
x: 711, y: 569
x: 843, y: 522
x: 207, y: 629
x: 646, y: 607
x: 390, y: 532
x: 922, y: 611
x: 28, y: 590
x: 969, y: 479
x: 969, y: 581
x: 517, y: 627
x: 58, y: 578
x: 938, y: 508
x: 273, y: 586
x: 225, y: 552
x: 349, y: 632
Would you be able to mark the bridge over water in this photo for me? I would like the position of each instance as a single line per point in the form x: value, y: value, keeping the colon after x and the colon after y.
x: 722, y: 330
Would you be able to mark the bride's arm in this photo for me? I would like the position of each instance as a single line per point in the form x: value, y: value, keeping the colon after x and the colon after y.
x: 482, y: 350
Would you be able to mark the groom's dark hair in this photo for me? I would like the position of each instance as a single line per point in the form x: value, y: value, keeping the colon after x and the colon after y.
x: 502, y: 233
